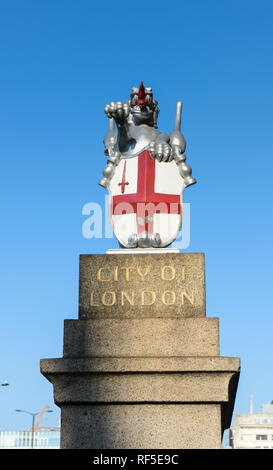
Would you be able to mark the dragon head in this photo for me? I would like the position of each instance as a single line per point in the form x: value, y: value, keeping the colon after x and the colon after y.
x: 143, y: 106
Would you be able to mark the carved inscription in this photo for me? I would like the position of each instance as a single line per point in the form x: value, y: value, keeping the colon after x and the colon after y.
x: 140, y: 285
x: 143, y: 296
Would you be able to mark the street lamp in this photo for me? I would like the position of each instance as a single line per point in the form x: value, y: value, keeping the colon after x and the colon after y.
x: 33, y: 419
x: 5, y: 383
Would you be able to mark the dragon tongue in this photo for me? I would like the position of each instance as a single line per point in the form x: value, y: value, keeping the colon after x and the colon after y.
x: 141, y: 99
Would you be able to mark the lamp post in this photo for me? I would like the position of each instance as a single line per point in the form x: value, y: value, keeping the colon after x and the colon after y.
x: 33, y: 419
x: 5, y: 383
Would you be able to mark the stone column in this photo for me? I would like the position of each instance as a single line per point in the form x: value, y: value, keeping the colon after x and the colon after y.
x: 141, y: 367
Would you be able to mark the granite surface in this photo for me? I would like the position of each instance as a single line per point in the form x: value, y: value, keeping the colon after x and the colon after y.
x: 142, y: 285
x: 59, y: 366
x: 176, y: 402
x: 73, y: 386
x: 141, y: 367
x: 144, y: 426
x: 141, y: 337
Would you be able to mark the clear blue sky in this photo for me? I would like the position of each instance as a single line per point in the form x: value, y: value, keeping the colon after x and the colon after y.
x: 61, y: 61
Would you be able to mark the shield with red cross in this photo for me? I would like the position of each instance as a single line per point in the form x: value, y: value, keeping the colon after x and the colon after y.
x: 146, y: 199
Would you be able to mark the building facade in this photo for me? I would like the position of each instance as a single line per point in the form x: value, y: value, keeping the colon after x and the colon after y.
x: 43, y: 438
x: 253, y: 430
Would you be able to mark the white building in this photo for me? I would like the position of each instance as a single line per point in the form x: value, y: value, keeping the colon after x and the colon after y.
x: 253, y: 430
x: 43, y: 438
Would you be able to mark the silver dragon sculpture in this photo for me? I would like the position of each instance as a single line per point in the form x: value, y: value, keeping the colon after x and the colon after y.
x: 133, y: 129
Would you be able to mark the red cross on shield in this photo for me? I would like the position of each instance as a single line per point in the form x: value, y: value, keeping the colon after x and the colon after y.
x: 146, y: 196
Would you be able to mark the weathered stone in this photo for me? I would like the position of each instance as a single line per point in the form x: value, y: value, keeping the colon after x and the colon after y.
x: 111, y: 393
x: 141, y: 337
x: 142, y: 285
x: 142, y: 376
x: 139, y: 364
x: 203, y: 384
x: 141, y: 426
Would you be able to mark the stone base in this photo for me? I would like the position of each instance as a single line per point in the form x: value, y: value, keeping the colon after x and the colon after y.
x: 141, y: 426
x: 141, y: 337
x: 143, y: 403
x: 141, y: 367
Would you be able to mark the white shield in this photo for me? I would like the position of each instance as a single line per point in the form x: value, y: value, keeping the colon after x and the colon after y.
x: 146, y: 200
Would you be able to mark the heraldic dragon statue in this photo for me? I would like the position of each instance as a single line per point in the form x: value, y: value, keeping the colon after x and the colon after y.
x: 146, y: 172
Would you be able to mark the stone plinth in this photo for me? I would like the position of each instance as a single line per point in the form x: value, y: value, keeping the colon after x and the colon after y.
x: 142, y: 285
x: 142, y: 370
